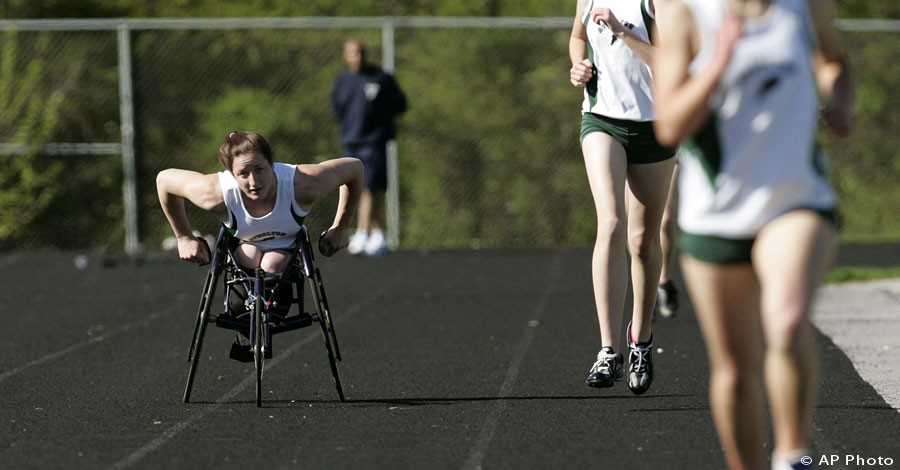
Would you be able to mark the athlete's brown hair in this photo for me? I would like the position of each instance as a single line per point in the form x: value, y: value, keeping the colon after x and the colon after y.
x: 239, y: 143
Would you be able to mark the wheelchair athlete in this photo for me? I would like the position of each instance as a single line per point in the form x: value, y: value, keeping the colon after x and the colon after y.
x: 262, y: 202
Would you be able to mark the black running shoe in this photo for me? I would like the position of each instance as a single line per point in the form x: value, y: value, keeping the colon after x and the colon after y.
x: 640, y: 364
x: 240, y: 349
x: 667, y: 300
x: 607, y: 370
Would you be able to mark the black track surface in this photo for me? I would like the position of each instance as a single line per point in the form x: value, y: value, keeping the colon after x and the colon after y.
x: 452, y: 360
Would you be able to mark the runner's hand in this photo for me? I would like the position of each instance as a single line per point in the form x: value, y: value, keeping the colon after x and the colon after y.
x: 194, y: 250
x: 581, y: 73
x: 333, y: 240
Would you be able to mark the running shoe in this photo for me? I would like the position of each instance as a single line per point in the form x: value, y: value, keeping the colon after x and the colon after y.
x: 358, y: 242
x: 377, y: 244
x: 606, y: 370
x: 640, y: 364
x: 798, y: 460
x: 667, y: 299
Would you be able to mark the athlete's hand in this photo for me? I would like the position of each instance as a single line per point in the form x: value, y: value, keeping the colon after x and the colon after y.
x: 581, y: 73
x: 333, y: 240
x: 193, y: 249
x: 605, y: 16
x: 726, y: 37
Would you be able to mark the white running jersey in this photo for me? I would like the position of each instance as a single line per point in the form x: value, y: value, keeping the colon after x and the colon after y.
x: 756, y: 158
x: 621, y: 87
x: 276, y: 230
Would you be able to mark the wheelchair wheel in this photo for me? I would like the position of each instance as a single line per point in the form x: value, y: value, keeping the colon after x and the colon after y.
x: 209, y: 290
x: 324, y: 319
x: 257, y: 334
x: 323, y: 299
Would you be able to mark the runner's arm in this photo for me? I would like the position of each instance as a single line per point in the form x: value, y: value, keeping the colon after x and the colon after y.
x: 173, y: 186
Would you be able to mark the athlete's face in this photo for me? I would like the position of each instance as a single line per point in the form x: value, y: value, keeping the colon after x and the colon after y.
x: 255, y: 176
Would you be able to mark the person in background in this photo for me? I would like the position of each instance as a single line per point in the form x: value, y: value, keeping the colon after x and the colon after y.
x: 742, y: 84
x: 629, y: 173
x: 365, y: 100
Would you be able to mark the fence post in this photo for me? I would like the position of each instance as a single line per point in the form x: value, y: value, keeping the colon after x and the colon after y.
x: 126, y: 117
x: 392, y: 196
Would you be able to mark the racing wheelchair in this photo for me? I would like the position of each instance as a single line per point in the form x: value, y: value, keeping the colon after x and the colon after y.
x: 258, y: 305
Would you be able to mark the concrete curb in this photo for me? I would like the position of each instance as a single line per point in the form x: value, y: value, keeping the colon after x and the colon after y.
x: 863, y: 319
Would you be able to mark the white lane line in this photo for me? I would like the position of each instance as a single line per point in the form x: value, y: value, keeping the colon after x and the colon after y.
x: 92, y: 340
x: 174, y: 430
x: 489, y: 426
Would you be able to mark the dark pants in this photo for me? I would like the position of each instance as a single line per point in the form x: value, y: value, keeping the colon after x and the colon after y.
x: 374, y: 157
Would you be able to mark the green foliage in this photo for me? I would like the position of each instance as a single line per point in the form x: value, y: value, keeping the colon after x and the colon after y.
x: 866, y: 165
x: 480, y: 166
x: 249, y: 108
x: 273, y: 8
x: 64, y: 8
x: 847, y: 274
x: 489, y: 152
x: 44, y: 79
x: 868, y: 9
x: 27, y: 120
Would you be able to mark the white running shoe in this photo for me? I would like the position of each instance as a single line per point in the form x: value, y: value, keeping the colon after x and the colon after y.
x: 377, y: 243
x: 358, y: 242
x: 799, y: 459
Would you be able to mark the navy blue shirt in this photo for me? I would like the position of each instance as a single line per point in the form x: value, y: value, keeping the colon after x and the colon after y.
x: 365, y: 105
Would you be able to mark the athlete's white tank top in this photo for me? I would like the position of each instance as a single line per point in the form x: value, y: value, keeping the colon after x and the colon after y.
x: 622, y: 85
x: 756, y: 158
x: 276, y: 230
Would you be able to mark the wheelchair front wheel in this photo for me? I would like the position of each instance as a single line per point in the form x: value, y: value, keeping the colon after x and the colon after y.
x: 323, y: 317
x: 326, y: 313
x: 332, y: 360
x: 209, y: 290
x: 257, y: 337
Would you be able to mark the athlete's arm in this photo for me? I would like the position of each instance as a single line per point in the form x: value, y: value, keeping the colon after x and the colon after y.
x: 681, y: 100
x: 582, y: 68
x: 833, y: 73
x: 173, y: 186
x: 643, y: 50
x: 314, y: 181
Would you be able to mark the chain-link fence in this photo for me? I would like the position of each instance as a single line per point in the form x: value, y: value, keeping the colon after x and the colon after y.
x: 488, y: 152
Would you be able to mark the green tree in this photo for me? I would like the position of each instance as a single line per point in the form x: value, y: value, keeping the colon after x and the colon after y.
x: 273, y: 8
x: 63, y: 8
x: 489, y: 151
x: 27, y: 120
x: 49, y: 88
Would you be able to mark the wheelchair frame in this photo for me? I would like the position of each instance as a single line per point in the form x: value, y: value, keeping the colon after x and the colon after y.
x: 260, y: 322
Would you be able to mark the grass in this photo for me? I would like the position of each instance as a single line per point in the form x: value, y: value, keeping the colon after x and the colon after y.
x: 862, y: 274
